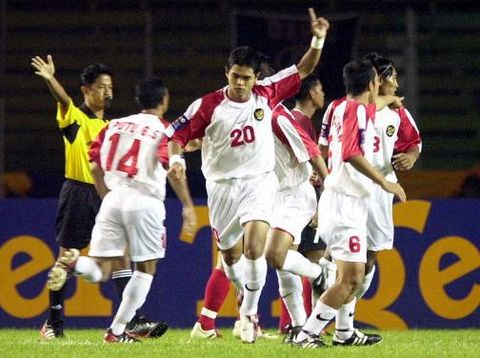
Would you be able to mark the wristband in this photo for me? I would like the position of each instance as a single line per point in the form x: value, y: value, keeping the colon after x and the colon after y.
x: 177, y: 159
x: 317, y: 43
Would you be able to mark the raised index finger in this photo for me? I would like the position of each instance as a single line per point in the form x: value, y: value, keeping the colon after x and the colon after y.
x: 311, y: 13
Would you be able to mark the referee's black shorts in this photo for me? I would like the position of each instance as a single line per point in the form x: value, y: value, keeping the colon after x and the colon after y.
x: 308, y: 236
x: 78, y: 206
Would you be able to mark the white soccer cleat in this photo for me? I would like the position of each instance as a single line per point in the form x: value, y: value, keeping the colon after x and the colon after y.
x: 236, y: 329
x: 248, y: 329
x: 199, y: 332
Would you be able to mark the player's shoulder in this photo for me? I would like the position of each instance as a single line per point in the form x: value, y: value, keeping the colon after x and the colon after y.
x: 213, y: 98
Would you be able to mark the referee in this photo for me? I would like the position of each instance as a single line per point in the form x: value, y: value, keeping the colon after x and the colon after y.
x: 79, y: 202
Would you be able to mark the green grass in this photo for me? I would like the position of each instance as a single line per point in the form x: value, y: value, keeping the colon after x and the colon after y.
x: 176, y: 343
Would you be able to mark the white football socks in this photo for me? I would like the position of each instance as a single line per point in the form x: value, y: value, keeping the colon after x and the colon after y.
x: 344, y: 320
x: 298, y: 264
x: 235, y: 273
x: 255, y: 277
x: 290, y: 288
x: 318, y: 320
x: 367, y: 281
x: 134, y: 296
x: 87, y: 268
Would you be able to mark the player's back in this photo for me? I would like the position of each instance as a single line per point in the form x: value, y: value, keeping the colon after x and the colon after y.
x: 350, y: 134
x: 130, y: 153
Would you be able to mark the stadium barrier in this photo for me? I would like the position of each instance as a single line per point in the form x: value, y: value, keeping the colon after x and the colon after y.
x: 430, y: 280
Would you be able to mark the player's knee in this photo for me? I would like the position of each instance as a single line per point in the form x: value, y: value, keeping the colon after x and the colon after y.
x: 352, y: 282
x: 274, y: 258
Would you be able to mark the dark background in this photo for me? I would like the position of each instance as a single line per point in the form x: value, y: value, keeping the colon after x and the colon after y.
x: 186, y: 43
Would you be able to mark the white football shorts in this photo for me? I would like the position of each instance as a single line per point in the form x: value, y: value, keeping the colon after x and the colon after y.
x: 234, y: 202
x: 342, y: 224
x: 132, y: 218
x: 380, y: 227
x: 294, y: 209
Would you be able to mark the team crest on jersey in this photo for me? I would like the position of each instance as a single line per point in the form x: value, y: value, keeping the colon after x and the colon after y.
x: 259, y: 114
x: 390, y: 130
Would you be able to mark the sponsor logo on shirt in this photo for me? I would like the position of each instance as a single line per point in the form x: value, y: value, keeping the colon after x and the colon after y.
x: 259, y: 113
x: 390, y: 130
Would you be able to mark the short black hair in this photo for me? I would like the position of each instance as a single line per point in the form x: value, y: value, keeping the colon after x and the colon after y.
x: 308, y: 83
x: 91, y: 73
x: 150, y: 93
x: 357, y: 74
x: 383, y: 65
x: 245, y: 56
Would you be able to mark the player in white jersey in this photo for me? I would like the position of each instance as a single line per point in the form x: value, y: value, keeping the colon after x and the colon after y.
x: 294, y: 208
x: 396, y: 144
x: 238, y: 161
x: 128, y: 160
x: 344, y: 202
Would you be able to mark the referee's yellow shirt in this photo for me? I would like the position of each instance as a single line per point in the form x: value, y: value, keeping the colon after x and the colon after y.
x: 79, y: 127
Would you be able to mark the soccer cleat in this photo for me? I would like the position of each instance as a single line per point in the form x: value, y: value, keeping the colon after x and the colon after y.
x: 260, y: 332
x: 291, y: 334
x: 248, y: 329
x: 357, y: 339
x: 199, y: 332
x: 236, y: 329
x: 109, y: 337
x: 143, y: 328
x: 311, y: 341
x: 52, y: 331
x: 58, y: 274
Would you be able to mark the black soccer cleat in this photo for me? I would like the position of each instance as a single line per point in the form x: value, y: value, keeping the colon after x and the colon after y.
x: 52, y: 330
x: 125, y: 337
x: 311, y: 341
x: 291, y: 334
x: 143, y: 328
x: 358, y: 339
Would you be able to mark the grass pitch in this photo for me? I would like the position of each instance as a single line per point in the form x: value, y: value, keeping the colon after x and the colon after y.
x: 177, y: 343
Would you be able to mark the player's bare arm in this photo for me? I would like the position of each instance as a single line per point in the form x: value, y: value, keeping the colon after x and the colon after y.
x: 319, y: 166
x: 176, y: 169
x: 98, y: 174
x: 324, y: 151
x: 180, y: 187
x: 388, y: 100
x: 405, y: 161
x: 46, y: 70
x: 319, y: 27
x: 364, y: 167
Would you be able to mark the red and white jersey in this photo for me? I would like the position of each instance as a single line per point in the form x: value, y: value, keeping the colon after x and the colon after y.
x: 237, y: 137
x: 293, y: 149
x: 395, y: 132
x: 131, y: 151
x: 350, y: 134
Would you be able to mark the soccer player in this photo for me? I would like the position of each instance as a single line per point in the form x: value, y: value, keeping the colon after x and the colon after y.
x: 295, y: 206
x: 128, y: 159
x: 397, y: 146
x: 79, y: 202
x: 238, y: 160
x: 308, y: 100
x: 344, y: 202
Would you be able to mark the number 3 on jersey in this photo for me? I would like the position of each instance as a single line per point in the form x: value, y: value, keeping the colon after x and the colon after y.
x: 128, y: 162
x: 242, y: 136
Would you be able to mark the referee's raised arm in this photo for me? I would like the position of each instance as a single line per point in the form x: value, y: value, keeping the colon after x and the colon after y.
x: 46, y: 70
